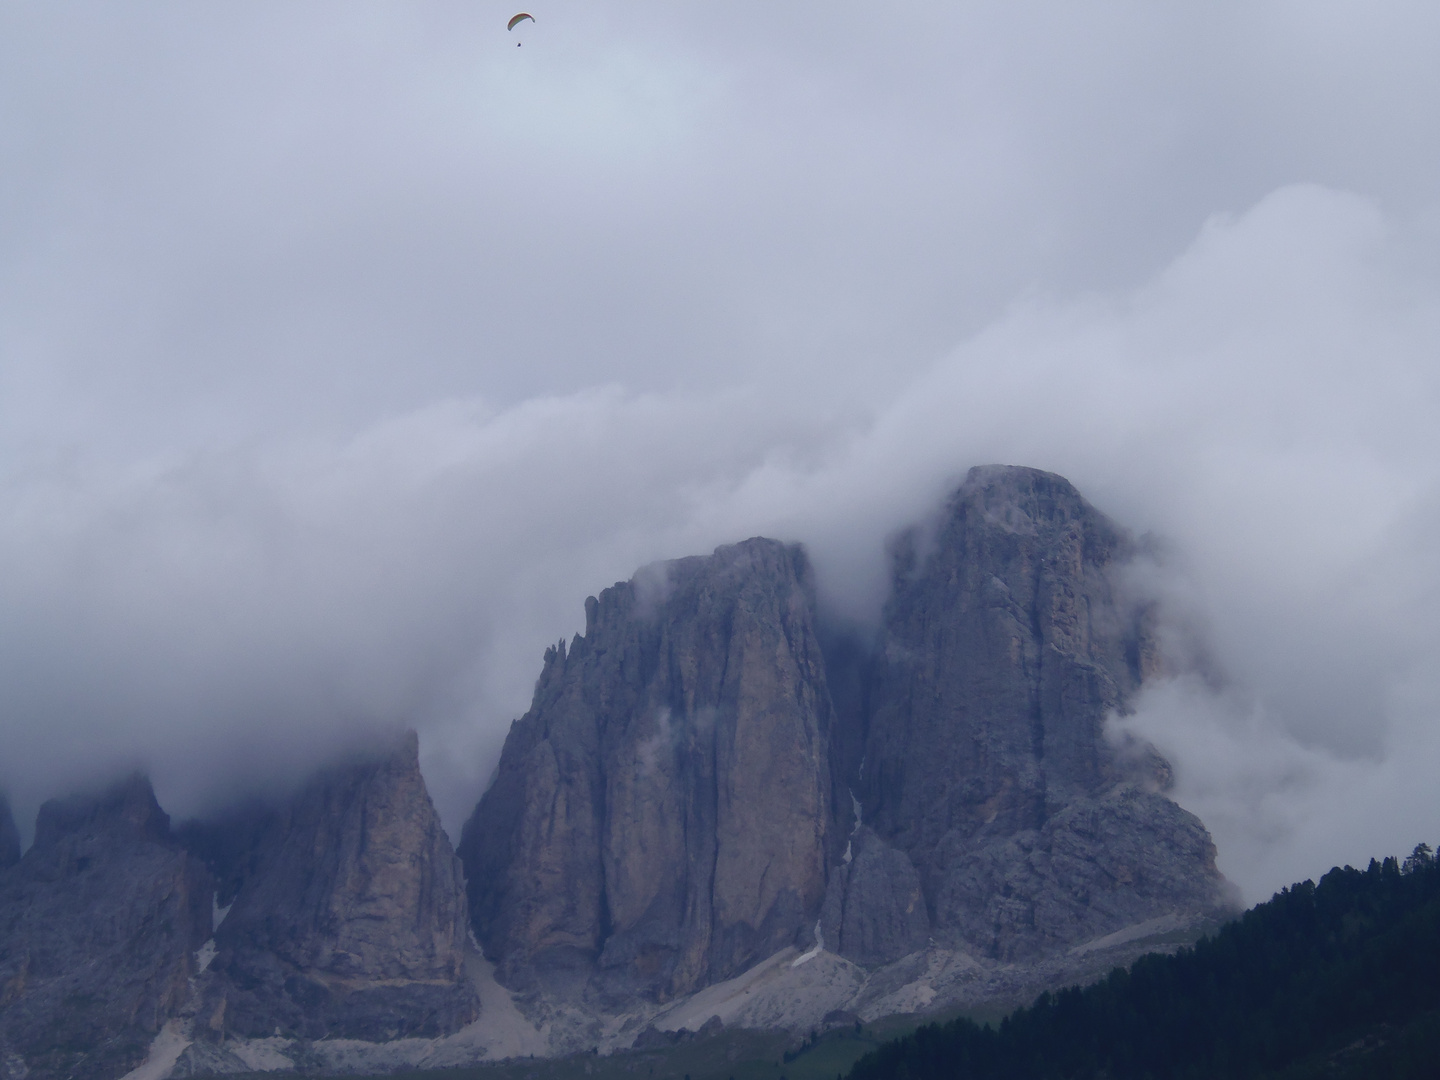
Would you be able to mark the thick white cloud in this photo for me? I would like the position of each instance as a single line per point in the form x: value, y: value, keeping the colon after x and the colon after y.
x: 345, y: 349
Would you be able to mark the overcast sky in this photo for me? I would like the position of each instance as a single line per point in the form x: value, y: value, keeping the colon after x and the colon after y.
x: 346, y: 347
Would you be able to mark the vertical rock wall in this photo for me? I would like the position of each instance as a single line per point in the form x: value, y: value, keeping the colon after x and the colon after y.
x: 98, y: 926
x: 1006, y: 644
x: 1004, y: 648
x: 675, y: 807
x: 667, y: 810
x: 350, y: 916
x: 663, y: 813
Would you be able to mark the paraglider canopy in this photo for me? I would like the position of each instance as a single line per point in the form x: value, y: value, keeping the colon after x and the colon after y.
x: 518, y: 19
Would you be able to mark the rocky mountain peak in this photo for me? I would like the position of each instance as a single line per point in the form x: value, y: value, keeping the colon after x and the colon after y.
x: 349, y: 915
x: 98, y: 925
x: 1005, y: 647
x: 662, y: 815
x: 682, y: 805
x: 1007, y: 644
x: 683, y: 759
x: 126, y: 808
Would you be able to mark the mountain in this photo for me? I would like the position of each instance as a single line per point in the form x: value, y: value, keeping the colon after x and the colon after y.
x: 663, y: 816
x: 98, y: 925
x: 348, y: 917
x: 1006, y: 644
x: 343, y: 916
x: 684, y: 797
x: 721, y: 809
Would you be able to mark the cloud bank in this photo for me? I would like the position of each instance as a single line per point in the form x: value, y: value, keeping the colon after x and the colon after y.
x: 343, y: 352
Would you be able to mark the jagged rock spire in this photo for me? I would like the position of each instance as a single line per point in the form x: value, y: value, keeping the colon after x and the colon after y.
x: 349, y: 919
x: 663, y: 813
x: 98, y: 926
x: 1007, y: 643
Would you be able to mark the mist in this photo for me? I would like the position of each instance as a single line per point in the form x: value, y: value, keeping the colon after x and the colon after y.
x: 345, y: 350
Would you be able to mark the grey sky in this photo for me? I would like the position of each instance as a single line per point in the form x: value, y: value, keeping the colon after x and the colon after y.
x: 345, y: 348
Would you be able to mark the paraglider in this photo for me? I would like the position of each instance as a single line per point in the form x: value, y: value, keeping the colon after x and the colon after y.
x: 516, y: 20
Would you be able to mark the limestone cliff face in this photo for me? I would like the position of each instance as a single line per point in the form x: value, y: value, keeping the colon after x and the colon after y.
x: 663, y: 813
x: 98, y: 926
x: 349, y: 919
x: 674, y: 805
x: 875, y: 910
x: 1005, y: 646
x: 682, y: 800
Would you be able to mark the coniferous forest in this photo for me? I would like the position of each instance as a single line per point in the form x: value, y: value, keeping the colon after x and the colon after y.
x: 1338, y: 980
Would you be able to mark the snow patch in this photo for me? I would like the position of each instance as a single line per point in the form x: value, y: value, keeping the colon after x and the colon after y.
x: 816, y: 951
x: 261, y: 1055
x: 165, y: 1051
x: 850, y: 841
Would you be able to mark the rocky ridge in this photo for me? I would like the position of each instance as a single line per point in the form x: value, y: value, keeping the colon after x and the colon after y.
x: 662, y: 816
x: 350, y: 920
x: 716, y: 811
x: 963, y: 801
x: 99, y: 923
x: 1006, y: 645
x: 343, y: 918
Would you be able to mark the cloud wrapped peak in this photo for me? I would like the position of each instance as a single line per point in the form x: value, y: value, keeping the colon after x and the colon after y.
x: 342, y: 355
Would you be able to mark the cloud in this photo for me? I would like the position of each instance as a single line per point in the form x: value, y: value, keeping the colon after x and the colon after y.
x: 1282, y: 807
x: 345, y: 350
x: 1261, y: 404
